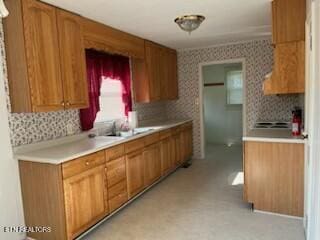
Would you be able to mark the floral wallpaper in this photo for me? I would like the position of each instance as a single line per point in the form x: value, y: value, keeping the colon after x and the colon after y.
x: 258, y: 57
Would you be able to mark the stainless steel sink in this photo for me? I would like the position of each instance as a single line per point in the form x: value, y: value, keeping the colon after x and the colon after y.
x: 115, y: 137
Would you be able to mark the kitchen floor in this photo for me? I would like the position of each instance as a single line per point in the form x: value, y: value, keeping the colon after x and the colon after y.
x: 198, y: 203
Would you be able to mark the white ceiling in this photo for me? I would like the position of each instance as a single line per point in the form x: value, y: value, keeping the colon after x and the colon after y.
x: 226, y: 20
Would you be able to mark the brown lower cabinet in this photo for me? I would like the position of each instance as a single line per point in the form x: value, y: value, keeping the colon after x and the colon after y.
x: 152, y: 164
x: 274, y: 177
x: 166, y: 156
x: 73, y: 196
x: 117, y: 183
x: 84, y: 200
x: 186, y: 145
x: 135, y: 172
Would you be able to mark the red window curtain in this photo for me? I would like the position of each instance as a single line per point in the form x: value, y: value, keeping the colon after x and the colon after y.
x: 102, y: 65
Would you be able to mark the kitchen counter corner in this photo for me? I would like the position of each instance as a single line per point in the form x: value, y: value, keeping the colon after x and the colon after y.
x: 272, y: 135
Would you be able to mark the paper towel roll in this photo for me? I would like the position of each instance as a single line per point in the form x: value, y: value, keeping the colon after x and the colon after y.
x: 133, y: 119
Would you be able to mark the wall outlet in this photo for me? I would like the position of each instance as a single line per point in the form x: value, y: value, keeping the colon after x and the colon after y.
x: 69, y: 128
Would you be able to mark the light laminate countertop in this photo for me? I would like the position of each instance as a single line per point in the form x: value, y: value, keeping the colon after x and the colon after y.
x: 272, y: 135
x: 69, y: 148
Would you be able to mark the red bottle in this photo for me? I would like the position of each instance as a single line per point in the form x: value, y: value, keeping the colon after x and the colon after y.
x: 296, y: 122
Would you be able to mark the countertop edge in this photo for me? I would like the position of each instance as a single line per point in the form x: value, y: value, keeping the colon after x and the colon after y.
x: 26, y: 156
x: 275, y: 140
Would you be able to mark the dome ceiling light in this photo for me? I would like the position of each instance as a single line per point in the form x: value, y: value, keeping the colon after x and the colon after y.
x: 189, y: 23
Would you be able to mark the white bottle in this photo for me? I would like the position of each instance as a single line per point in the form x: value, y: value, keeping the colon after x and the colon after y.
x: 133, y: 119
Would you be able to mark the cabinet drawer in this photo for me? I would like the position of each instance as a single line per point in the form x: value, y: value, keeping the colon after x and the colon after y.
x: 165, y: 134
x: 134, y: 145
x: 151, y: 139
x: 117, y: 189
x: 82, y: 164
x: 115, y: 152
x: 117, y: 201
x: 116, y: 171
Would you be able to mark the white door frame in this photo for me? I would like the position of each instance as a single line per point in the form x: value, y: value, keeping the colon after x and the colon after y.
x: 312, y: 221
x: 308, y: 114
x: 201, y: 100
x: 313, y: 187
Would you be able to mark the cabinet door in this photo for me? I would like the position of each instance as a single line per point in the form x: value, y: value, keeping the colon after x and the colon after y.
x: 168, y: 74
x: 274, y: 177
x: 173, y: 153
x: 289, y: 67
x: 186, y: 145
x: 42, y: 51
x: 73, y: 63
x: 153, y: 61
x: 288, y: 20
x: 85, y: 200
x: 173, y: 75
x: 177, y: 147
x: 189, y: 144
x: 135, y: 173
x: 165, y: 73
x: 152, y: 164
x: 274, y: 21
x: 183, y: 146
x: 166, y: 156
x: 140, y: 80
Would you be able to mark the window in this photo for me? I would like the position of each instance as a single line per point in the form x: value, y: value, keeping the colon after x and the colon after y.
x: 234, y: 87
x: 111, y: 104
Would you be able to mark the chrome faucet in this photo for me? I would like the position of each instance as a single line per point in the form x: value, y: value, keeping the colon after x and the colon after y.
x: 114, y: 128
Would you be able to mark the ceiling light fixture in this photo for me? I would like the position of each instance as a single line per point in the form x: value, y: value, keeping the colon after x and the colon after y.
x: 189, y: 23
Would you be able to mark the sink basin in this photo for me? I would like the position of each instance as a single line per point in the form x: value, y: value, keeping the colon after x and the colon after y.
x: 123, y: 135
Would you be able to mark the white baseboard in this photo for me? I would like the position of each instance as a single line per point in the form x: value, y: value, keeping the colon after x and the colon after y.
x: 278, y: 214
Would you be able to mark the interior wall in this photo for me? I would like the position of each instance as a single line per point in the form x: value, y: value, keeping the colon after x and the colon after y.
x: 223, y: 122
x: 258, y: 55
x: 10, y: 195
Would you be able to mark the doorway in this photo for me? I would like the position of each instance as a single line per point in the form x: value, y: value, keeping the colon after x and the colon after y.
x: 222, y: 103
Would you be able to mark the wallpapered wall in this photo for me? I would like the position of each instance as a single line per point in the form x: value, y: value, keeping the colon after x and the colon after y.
x: 26, y: 128
x: 258, y: 57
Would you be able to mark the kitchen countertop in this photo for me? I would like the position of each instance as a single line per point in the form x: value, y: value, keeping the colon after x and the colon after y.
x: 272, y: 135
x: 69, y: 148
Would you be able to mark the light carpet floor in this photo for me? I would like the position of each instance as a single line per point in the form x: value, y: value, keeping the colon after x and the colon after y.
x: 198, y: 203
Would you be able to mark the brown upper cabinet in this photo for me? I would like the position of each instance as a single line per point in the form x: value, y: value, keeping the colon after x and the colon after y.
x: 288, y: 23
x: 104, y: 38
x: 155, y: 77
x: 46, y: 70
x: 45, y: 49
x: 73, y: 64
x: 169, y: 84
x: 289, y: 69
x: 288, y: 20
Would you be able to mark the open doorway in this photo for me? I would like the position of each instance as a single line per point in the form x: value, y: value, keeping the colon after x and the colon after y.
x: 222, y: 104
